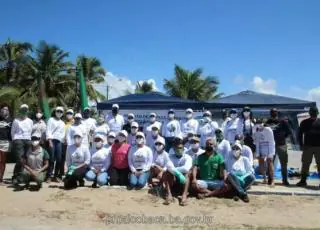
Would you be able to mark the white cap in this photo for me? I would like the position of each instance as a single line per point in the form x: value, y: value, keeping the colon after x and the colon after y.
x: 86, y: 108
x: 59, y: 108
x: 115, y: 106
x: 78, y: 133
x: 153, y: 114
x: 134, y: 124
x: 189, y: 110
x: 24, y: 106
x: 160, y: 140
x: 155, y: 126
x: 112, y: 134
x: 99, y: 135
x: 36, y: 134
x: 179, y: 136
x: 207, y: 113
x: 124, y: 133
x: 131, y: 115
x: 238, y: 144
x: 70, y: 111
x: 78, y: 115
x: 140, y: 134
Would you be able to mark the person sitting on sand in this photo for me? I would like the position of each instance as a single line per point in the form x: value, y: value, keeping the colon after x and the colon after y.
x: 35, y: 164
x: 212, y: 171
x: 140, y: 159
x: 100, y: 162
x: 240, y: 172
x: 176, y: 177
x: 160, y: 160
x: 77, y: 162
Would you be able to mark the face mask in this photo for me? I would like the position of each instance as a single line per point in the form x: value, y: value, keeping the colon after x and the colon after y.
x: 236, y: 153
x: 246, y: 114
x: 170, y: 116
x: 4, y: 112
x: 86, y: 115
x: 274, y: 114
x: 140, y: 141
x: 189, y: 115
x: 152, y: 119
x: 179, y: 152
x: 130, y: 120
x: 77, y: 141
x: 189, y: 139
x: 35, y: 143
x: 206, y: 119
x: 260, y: 126
x: 24, y: 113
x: 99, y: 144
x: 59, y: 115
x: 100, y: 120
x: 219, y: 137
x: 155, y: 133
x: 115, y: 111
x: 69, y: 117
x: 77, y: 121
x: 159, y: 148
x: 233, y: 115
x: 134, y: 130
x: 195, y: 146
x: 209, y: 148
x: 121, y: 139
x: 39, y: 115
x: 111, y: 140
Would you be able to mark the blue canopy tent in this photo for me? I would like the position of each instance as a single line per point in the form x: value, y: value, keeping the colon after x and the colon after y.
x: 149, y: 101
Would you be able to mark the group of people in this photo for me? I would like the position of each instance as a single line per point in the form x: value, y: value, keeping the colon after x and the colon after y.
x: 185, y: 157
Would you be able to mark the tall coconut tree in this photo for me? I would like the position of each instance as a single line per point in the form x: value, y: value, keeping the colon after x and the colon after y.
x: 192, y: 85
x: 144, y: 87
x: 94, y: 73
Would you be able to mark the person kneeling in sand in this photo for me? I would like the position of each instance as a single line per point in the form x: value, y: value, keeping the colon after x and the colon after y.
x: 176, y: 177
x: 160, y: 162
x: 35, y: 164
x: 77, y: 162
x: 100, y: 162
x: 240, y: 172
x: 212, y: 172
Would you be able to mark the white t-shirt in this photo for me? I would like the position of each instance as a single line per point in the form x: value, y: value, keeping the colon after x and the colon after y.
x: 140, y: 158
x: 193, y: 154
x: 115, y: 123
x: 77, y: 155
x: 239, y: 166
x: 147, y: 129
x: 224, y: 148
x: 171, y: 129
x: 90, y: 124
x: 21, y: 129
x: 55, y: 129
x: 161, y: 160
x: 247, y: 152
x: 72, y: 130
x: 233, y: 128
x: 183, y: 164
x: 102, y: 130
x: 100, y: 159
x: 190, y: 126
x: 132, y: 140
x: 265, y: 144
x: 206, y: 131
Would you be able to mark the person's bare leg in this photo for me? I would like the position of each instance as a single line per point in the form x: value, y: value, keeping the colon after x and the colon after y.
x: 219, y: 192
x: 270, y: 172
x: 262, y: 169
x: 185, y: 192
x: 168, y: 181
x: 3, y: 161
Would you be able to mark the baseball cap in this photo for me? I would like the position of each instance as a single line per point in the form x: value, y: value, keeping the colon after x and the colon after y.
x: 24, y: 106
x: 140, y: 134
x: 153, y: 114
x: 100, y: 136
x: 86, y: 108
x: 160, y: 140
x: 78, y: 115
x: 131, y: 115
x: 189, y: 110
x: 208, y: 113
x: 124, y: 133
x: 237, y: 144
x: 70, y: 111
x: 195, y: 138
x: 59, y: 108
x: 115, y: 106
x: 233, y: 110
x: 112, y: 134
x: 171, y: 111
x: 36, y: 135
x: 135, y: 124
x: 78, y: 133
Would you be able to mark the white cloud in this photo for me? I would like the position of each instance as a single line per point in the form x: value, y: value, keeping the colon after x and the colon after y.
x: 314, y: 95
x: 238, y: 80
x: 152, y: 82
x: 264, y: 86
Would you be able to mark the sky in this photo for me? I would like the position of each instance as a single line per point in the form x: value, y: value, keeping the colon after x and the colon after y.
x: 268, y: 46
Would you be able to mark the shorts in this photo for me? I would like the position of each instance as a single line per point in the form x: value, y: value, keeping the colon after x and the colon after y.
x: 210, y: 184
x: 268, y: 156
x: 5, y: 146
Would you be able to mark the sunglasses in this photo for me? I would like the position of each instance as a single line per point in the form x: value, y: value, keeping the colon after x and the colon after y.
x: 157, y: 144
x: 59, y: 111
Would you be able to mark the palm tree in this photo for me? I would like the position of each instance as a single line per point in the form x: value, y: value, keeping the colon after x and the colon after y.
x: 144, y: 87
x: 192, y: 85
x: 94, y: 73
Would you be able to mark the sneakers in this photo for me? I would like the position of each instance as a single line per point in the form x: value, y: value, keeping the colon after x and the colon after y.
x: 301, y: 183
x: 94, y: 185
x: 81, y: 183
x: 285, y: 183
x: 244, y: 198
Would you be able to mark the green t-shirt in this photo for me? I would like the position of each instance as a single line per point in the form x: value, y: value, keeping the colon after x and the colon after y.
x: 209, y: 166
x: 35, y: 160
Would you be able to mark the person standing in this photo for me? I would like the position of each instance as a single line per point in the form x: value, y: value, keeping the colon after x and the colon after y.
x: 77, y: 126
x: 265, y: 150
x: 128, y: 125
x: 155, y: 134
x: 55, y: 135
x: 89, y: 123
x: 207, y: 130
x: 309, y: 140
x: 35, y: 164
x: 133, y: 133
x: 147, y: 129
x: 281, y: 132
x: 194, y: 151
x: 115, y: 120
x: 102, y: 127
x: 21, y: 137
x: 248, y: 127
x: 119, y: 169
x: 68, y: 122
x: 39, y: 126
x: 191, y: 125
x: 225, y: 119
x: 5, y: 138
x: 233, y: 127
x: 223, y: 146
x: 171, y: 129
x: 140, y: 159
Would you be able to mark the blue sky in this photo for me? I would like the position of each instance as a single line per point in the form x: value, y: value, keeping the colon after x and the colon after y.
x: 270, y: 46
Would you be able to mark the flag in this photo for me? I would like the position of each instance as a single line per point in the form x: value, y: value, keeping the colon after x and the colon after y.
x: 43, y: 99
x: 83, y: 90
